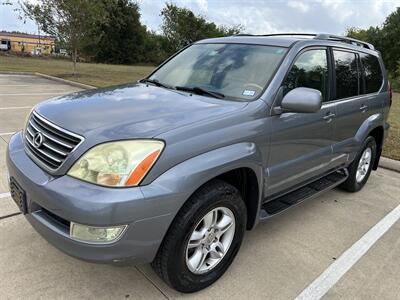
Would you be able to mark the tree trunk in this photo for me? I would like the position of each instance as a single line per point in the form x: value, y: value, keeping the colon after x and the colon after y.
x: 74, y: 58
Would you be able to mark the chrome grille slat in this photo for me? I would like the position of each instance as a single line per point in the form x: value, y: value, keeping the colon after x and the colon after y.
x: 53, y: 129
x: 50, y: 137
x: 29, y: 131
x: 44, y: 153
x: 56, y: 145
x: 55, y: 150
x: 41, y: 158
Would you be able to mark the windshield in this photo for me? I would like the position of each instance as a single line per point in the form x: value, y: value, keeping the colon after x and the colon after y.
x: 232, y: 70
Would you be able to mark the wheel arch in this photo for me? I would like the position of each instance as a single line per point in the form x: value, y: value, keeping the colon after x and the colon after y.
x: 372, y: 126
x: 245, y: 181
x: 378, y: 134
x: 238, y: 164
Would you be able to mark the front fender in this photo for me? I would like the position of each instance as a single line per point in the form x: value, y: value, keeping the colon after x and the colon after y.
x: 176, y: 185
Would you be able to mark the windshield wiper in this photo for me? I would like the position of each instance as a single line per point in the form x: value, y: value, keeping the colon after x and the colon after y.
x: 155, y: 82
x: 200, y: 91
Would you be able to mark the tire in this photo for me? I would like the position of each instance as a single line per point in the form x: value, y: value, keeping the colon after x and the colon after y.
x: 174, y: 260
x: 355, y: 181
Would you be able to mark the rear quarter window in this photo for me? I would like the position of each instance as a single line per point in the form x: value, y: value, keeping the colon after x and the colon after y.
x: 372, y: 73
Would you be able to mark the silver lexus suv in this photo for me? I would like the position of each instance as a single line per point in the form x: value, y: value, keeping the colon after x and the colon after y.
x: 174, y: 168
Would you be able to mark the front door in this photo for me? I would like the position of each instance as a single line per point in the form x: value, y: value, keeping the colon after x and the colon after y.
x: 301, y: 143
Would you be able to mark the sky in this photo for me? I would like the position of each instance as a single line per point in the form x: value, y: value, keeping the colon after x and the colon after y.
x: 257, y: 16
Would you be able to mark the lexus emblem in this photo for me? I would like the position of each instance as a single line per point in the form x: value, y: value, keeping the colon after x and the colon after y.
x: 38, y: 140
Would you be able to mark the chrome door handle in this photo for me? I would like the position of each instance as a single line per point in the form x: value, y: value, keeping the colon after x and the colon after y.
x: 329, y: 116
x: 364, y: 108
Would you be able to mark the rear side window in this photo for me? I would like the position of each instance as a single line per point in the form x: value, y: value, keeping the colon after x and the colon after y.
x: 372, y: 73
x: 309, y: 70
x: 347, y: 75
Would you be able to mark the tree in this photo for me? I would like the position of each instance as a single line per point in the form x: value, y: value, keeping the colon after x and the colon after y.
x: 182, y: 27
x: 156, y: 48
x: 391, y: 41
x: 385, y: 39
x: 119, y: 37
x: 68, y: 20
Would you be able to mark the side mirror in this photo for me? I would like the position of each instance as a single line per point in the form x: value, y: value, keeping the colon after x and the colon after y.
x: 302, y: 100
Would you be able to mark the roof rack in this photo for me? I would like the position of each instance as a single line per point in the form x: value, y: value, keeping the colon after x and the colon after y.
x: 324, y: 36
x: 320, y: 36
x: 277, y: 34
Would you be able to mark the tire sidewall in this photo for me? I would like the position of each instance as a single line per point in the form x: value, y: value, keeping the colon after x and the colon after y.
x: 184, y: 279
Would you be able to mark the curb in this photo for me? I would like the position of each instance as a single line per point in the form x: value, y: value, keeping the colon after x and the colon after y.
x: 65, y: 81
x: 73, y: 83
x: 15, y: 73
x: 389, y: 164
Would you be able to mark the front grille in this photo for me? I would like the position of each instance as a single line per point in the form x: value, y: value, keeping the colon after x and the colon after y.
x: 48, y: 143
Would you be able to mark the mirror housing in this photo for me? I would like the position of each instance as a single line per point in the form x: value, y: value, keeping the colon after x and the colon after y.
x: 302, y: 100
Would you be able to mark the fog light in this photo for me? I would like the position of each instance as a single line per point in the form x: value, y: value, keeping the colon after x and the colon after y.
x: 99, y: 235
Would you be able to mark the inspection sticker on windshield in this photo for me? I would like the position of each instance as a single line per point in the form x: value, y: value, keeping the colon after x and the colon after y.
x: 249, y: 93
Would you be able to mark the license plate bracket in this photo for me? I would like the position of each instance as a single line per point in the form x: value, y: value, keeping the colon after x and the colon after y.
x: 18, y: 195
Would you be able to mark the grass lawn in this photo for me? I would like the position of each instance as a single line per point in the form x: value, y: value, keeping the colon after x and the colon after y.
x: 99, y: 75
x: 105, y: 75
x: 391, y: 148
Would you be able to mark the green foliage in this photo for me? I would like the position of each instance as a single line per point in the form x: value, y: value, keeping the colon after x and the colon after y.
x: 385, y: 38
x: 110, y: 31
x: 182, y: 27
x: 156, y: 48
x: 119, y: 37
x: 391, y: 41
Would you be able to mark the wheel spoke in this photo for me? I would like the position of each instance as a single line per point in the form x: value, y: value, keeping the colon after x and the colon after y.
x: 195, y: 239
x: 197, y: 259
x: 217, y: 251
x: 210, y: 219
x: 223, y: 225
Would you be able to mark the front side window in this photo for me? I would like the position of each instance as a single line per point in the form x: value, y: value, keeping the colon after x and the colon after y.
x: 309, y: 70
x: 347, y: 75
x: 239, y: 71
x: 372, y: 73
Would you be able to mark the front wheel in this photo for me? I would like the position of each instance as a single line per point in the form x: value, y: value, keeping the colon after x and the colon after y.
x: 361, y: 167
x: 204, y: 238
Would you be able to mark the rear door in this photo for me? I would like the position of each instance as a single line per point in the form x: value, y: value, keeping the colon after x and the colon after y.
x: 301, y: 143
x: 357, y: 79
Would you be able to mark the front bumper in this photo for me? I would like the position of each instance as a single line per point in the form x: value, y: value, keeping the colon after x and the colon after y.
x: 49, y: 198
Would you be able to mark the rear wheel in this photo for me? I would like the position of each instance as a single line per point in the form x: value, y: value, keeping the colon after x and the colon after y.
x: 361, y: 167
x: 203, y: 239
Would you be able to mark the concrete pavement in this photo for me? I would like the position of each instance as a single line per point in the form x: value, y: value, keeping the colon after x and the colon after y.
x: 278, y: 260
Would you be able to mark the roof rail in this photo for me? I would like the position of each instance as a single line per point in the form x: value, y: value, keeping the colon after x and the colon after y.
x: 324, y: 36
x: 320, y: 36
x: 277, y: 34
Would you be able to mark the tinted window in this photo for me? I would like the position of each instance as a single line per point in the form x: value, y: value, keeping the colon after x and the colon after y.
x: 236, y: 70
x: 346, y: 74
x: 310, y: 70
x: 372, y: 73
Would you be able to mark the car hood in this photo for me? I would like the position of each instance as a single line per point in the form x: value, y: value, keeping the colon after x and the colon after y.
x: 131, y: 111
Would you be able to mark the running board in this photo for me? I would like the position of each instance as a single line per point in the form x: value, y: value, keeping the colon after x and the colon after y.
x: 298, y: 196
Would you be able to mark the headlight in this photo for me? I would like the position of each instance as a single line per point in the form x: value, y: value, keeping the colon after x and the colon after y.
x: 122, y: 163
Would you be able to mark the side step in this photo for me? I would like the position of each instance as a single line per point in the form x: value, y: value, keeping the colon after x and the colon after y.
x: 309, y: 191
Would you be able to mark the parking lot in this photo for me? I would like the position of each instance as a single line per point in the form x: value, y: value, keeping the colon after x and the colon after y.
x: 282, y: 258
